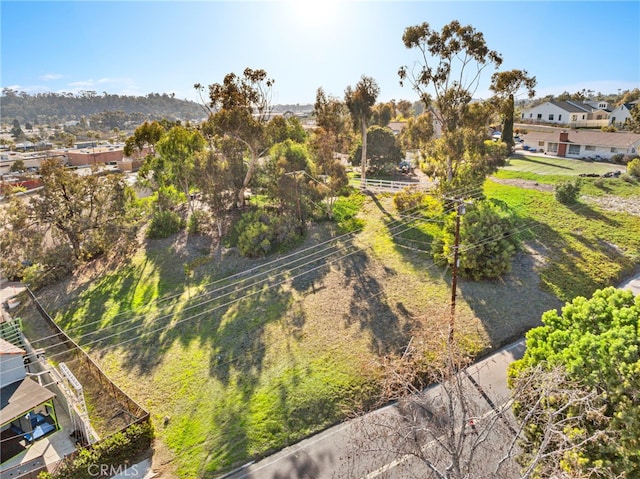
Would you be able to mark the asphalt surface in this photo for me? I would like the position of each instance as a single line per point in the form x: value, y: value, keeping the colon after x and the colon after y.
x: 335, y: 453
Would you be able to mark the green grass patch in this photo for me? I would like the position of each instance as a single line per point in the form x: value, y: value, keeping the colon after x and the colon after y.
x: 345, y: 210
x: 245, y: 368
x: 550, y: 166
x: 586, y: 248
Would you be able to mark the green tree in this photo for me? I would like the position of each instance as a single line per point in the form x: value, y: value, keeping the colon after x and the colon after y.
x: 330, y: 137
x: 418, y: 132
x: 633, y: 167
x: 239, y: 109
x: 84, y: 212
x: 474, y: 163
x: 505, y: 85
x: 214, y: 179
x: 291, y: 179
x: 16, y: 131
x: 405, y: 107
x: 18, y: 165
x: 177, y: 151
x: 73, y: 219
x: 383, y: 113
x: 144, y: 138
x: 383, y: 150
x: 633, y: 122
x: 450, y: 65
x: 487, y: 240
x: 280, y: 129
x: 597, y: 342
x: 359, y: 101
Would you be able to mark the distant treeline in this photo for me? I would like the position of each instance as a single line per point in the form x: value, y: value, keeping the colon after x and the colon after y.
x: 49, y: 108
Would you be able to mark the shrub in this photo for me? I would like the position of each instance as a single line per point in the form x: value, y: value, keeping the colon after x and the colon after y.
x: 408, y: 200
x: 164, y: 223
x: 627, y: 177
x: 487, y: 240
x: 567, y: 192
x: 633, y: 168
x: 618, y: 158
x: 598, y: 182
x: 263, y: 233
x: 197, y: 222
x: 115, y: 450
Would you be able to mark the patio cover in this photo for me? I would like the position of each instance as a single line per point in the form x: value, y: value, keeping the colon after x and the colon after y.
x: 18, y: 398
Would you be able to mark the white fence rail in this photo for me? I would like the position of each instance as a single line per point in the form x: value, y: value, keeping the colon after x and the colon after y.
x: 389, y: 185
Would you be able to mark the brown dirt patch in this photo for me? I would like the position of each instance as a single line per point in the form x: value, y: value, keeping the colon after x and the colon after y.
x: 529, y: 184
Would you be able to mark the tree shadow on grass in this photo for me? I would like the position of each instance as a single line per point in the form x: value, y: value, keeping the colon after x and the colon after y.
x: 370, y: 307
x: 591, y: 214
x: 510, y: 306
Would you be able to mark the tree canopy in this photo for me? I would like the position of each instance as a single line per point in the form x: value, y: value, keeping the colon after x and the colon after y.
x: 447, y: 75
x: 597, y: 342
x: 505, y: 85
x: 360, y: 101
x: 239, y: 109
x: 383, y: 150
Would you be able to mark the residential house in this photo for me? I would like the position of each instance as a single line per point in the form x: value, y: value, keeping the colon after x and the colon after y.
x: 621, y: 114
x: 571, y: 113
x: 397, y: 126
x: 27, y: 412
x: 582, y: 143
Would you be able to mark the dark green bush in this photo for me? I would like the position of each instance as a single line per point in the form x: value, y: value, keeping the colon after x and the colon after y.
x: 197, y: 222
x: 487, y: 240
x: 263, y: 233
x: 567, y: 192
x: 164, y: 223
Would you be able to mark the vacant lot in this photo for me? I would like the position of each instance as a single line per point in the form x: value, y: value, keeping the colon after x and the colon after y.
x: 246, y: 356
x: 549, y: 165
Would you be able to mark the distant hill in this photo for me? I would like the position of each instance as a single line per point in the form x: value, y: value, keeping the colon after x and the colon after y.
x: 46, y: 108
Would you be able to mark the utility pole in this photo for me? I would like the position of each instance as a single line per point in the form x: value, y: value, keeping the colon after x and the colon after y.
x: 454, y: 270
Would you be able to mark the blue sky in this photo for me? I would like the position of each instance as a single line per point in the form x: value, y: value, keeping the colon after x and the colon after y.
x: 139, y: 47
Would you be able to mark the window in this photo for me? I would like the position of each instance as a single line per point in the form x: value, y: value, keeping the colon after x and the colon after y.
x: 613, y: 120
x: 530, y: 115
x: 541, y: 143
x: 550, y: 116
x: 598, y: 117
x: 539, y: 116
x: 574, y: 149
x: 574, y: 117
x: 613, y: 149
x: 583, y: 117
x: 559, y: 117
x: 552, y: 147
x: 590, y: 148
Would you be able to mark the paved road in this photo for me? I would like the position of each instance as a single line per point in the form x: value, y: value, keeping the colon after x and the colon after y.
x: 330, y: 453
x: 633, y: 285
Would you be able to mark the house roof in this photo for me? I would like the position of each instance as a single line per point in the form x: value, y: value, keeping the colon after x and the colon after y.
x: 7, y: 348
x: 570, y: 106
x: 588, y: 137
x: 20, y: 397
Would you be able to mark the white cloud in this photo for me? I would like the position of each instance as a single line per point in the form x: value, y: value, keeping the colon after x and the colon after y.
x: 51, y: 76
